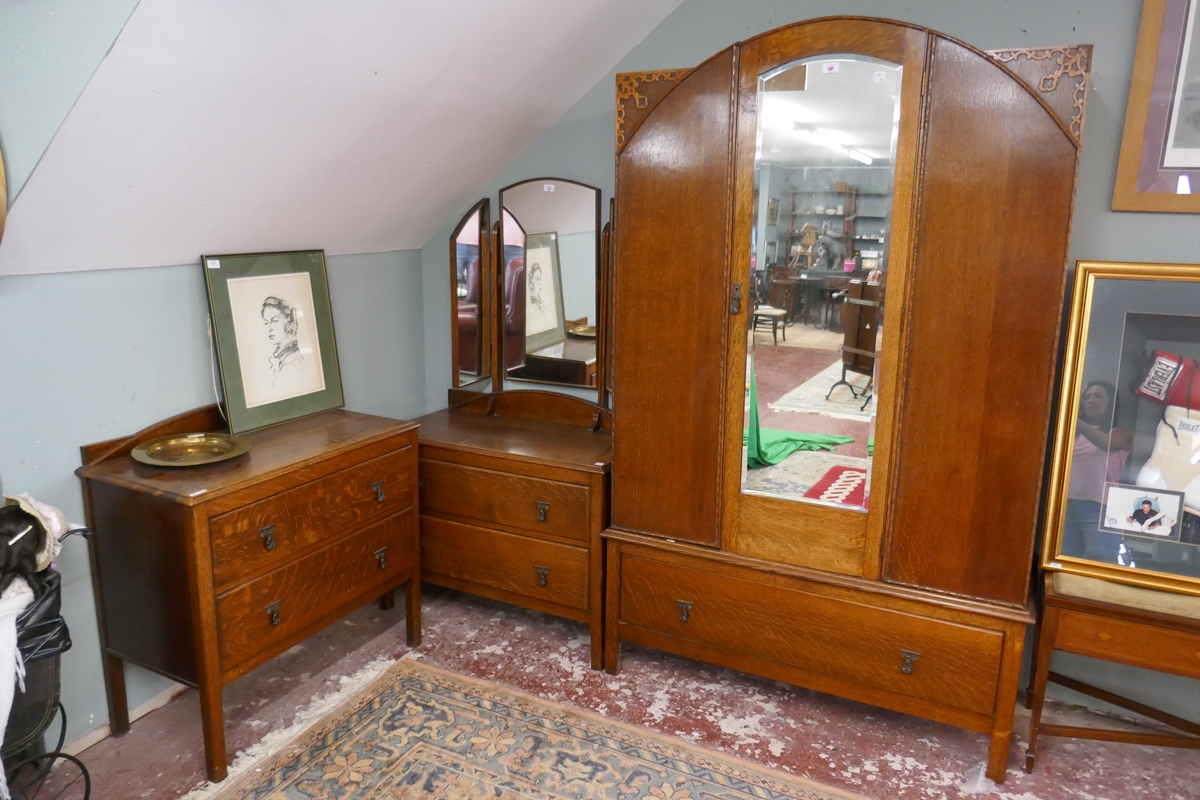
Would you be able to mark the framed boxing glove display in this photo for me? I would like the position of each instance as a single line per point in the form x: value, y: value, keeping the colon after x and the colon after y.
x: 1124, y: 495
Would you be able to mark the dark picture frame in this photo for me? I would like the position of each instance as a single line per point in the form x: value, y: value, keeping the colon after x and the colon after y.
x: 1160, y: 147
x: 1128, y: 424
x: 545, y: 316
x: 273, y: 328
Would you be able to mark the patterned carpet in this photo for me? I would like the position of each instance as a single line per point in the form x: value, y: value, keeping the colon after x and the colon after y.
x: 420, y: 732
x: 809, y: 397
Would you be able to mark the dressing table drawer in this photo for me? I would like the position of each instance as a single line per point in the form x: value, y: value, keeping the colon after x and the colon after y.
x: 929, y: 659
x: 269, y: 531
x: 510, y: 499
x: 534, y: 568
x: 258, y: 614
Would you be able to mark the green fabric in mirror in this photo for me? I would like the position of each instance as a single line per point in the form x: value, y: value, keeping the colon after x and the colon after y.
x: 766, y: 446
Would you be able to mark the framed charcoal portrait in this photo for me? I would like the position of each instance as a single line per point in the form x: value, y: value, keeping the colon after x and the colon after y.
x: 545, y: 316
x: 1124, y: 499
x: 1159, y: 167
x: 274, y: 336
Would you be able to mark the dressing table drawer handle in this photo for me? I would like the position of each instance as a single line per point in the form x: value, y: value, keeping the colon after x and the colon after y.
x: 381, y: 557
x: 267, y: 535
x: 684, y: 608
x: 542, y: 509
x: 273, y: 612
x: 910, y: 657
x: 377, y: 487
x: 543, y: 574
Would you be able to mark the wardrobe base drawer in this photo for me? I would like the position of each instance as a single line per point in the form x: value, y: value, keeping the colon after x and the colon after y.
x: 932, y: 660
x: 260, y: 614
x: 547, y: 571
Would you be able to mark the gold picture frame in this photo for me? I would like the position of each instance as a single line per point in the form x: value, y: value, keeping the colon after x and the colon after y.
x: 1163, y: 104
x: 1128, y: 427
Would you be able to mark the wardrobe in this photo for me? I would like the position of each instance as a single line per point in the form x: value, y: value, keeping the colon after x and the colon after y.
x: 916, y: 596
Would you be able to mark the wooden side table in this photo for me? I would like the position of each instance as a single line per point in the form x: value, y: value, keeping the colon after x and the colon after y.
x: 1097, y: 619
x: 203, y: 573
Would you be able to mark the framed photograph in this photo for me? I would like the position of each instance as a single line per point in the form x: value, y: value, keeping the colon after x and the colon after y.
x: 274, y: 335
x: 772, y: 252
x: 1124, y: 495
x: 1159, y: 168
x: 545, y: 317
x: 1136, y: 511
x: 772, y: 211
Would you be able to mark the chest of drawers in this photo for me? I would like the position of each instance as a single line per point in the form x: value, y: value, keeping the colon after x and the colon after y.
x: 512, y: 509
x: 204, y: 573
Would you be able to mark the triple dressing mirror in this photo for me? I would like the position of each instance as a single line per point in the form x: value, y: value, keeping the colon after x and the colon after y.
x: 825, y: 157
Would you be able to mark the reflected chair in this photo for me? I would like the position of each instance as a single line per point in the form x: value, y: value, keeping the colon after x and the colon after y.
x: 514, y: 313
x: 775, y: 317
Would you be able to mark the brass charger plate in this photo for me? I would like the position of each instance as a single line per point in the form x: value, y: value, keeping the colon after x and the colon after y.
x: 190, y: 449
x: 585, y: 331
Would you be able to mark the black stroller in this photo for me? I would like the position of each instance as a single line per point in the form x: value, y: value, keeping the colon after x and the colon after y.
x: 42, y: 637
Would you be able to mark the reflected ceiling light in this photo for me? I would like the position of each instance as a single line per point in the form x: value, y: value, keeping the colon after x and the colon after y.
x: 829, y: 142
x: 858, y: 155
x: 1184, y: 186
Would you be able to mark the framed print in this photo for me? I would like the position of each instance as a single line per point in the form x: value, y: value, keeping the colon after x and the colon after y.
x: 1124, y: 495
x: 274, y: 336
x: 1159, y: 168
x: 772, y: 211
x: 545, y: 317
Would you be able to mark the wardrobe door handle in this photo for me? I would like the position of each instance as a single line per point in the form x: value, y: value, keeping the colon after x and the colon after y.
x: 543, y: 575
x: 910, y: 657
x: 542, y: 508
x: 267, y: 535
x: 377, y: 487
x: 684, y: 608
x: 381, y: 557
x: 273, y: 612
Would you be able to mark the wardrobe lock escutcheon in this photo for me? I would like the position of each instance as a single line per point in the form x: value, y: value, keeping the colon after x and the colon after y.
x: 542, y: 508
x: 273, y: 612
x: 684, y: 608
x: 377, y: 487
x: 543, y: 574
x: 735, y: 305
x: 910, y: 657
x: 267, y: 535
x: 381, y: 557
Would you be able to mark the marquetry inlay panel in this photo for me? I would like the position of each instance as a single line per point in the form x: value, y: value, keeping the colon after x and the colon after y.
x: 637, y: 93
x: 1058, y: 74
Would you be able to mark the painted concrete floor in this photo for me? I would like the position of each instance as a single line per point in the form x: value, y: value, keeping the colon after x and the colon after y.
x: 879, y: 754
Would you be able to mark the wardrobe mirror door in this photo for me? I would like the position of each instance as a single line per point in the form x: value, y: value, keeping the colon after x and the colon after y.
x: 469, y: 291
x: 549, y: 268
x: 821, y: 216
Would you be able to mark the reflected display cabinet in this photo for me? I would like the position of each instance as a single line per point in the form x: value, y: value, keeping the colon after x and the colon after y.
x: 867, y: 535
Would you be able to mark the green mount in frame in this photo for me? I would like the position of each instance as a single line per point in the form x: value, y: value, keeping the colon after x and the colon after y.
x: 274, y: 336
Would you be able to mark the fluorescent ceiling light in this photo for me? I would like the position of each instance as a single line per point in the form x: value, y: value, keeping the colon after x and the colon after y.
x: 858, y: 155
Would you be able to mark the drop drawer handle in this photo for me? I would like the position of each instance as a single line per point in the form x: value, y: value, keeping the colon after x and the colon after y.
x: 273, y: 612
x: 542, y: 508
x: 381, y: 557
x: 543, y: 574
x: 684, y: 608
x: 377, y: 487
x: 909, y: 656
x: 267, y: 535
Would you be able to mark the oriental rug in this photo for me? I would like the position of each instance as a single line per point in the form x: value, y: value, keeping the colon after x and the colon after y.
x: 420, y: 732
x: 809, y: 397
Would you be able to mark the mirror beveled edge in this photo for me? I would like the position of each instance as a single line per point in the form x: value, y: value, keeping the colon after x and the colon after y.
x: 499, y: 376
x: 481, y: 213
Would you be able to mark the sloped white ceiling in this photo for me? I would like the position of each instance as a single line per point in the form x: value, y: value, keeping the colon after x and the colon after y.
x: 218, y: 126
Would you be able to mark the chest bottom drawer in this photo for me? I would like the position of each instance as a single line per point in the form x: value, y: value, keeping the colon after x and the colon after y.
x: 930, y: 659
x: 257, y: 615
x: 549, y: 571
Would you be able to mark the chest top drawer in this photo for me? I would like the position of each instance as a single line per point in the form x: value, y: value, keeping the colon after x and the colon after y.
x: 503, y: 498
x: 269, y: 531
x: 938, y: 661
